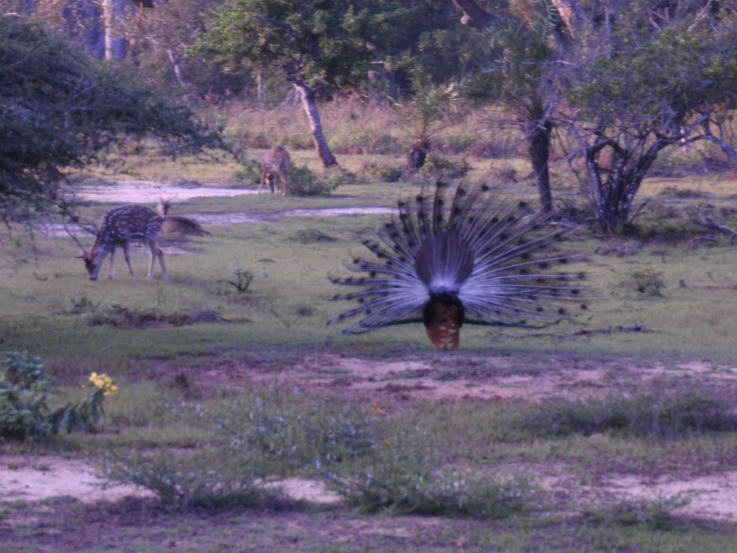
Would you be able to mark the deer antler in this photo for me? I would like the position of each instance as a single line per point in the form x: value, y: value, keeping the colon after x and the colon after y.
x: 164, y: 204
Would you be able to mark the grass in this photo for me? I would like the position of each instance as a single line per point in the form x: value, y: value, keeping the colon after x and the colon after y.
x: 189, y: 355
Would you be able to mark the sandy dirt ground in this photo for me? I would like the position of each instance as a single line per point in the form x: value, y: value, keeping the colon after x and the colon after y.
x: 710, y: 495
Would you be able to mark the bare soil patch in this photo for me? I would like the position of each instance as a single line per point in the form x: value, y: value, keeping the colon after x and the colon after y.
x: 711, y: 495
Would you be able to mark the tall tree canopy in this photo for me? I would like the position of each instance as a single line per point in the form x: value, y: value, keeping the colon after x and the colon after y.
x: 61, y: 109
x: 320, y: 45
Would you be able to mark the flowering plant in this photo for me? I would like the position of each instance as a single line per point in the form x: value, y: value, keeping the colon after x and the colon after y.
x: 104, y: 383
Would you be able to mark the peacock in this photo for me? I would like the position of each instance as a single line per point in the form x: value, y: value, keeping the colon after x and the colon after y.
x: 476, y: 258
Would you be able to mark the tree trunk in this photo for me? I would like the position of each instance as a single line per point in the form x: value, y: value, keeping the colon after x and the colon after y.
x: 113, y: 41
x: 260, y: 86
x: 307, y: 97
x: 174, y: 58
x: 538, y: 137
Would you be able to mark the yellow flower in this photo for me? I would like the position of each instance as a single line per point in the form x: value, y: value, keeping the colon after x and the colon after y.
x: 105, y: 383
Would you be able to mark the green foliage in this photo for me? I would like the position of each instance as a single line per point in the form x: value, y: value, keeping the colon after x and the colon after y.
x: 242, y: 281
x: 374, y: 462
x: 446, y: 168
x: 656, y: 514
x: 321, y: 42
x: 253, y: 438
x: 646, y: 281
x: 638, y: 95
x: 294, y: 434
x: 662, y: 80
x: 24, y: 396
x: 399, y: 474
x: 206, y: 477
x: 384, y: 173
x: 62, y: 109
x: 302, y: 180
x: 659, y: 412
x: 433, y: 107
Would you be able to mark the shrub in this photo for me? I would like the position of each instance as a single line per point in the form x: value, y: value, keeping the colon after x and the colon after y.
x: 302, y: 181
x: 255, y: 438
x: 658, y: 412
x: 646, y: 281
x: 384, y: 173
x: 24, y: 400
x: 204, y: 477
x: 445, y: 168
x: 399, y: 474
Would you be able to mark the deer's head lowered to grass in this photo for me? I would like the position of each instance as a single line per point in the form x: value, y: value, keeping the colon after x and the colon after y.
x: 120, y: 226
x: 275, y: 164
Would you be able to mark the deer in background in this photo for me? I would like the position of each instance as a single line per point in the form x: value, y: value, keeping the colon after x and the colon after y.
x: 120, y: 226
x: 178, y: 223
x: 275, y: 163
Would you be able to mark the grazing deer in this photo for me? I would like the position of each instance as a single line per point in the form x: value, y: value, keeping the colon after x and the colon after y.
x: 178, y: 223
x: 120, y: 226
x: 275, y: 163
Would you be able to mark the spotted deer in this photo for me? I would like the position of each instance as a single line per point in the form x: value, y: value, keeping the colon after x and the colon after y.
x: 178, y: 223
x: 275, y: 163
x: 120, y: 226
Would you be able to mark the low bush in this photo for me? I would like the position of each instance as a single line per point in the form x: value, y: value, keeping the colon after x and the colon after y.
x: 202, y: 477
x: 400, y: 474
x: 659, y: 412
x: 24, y: 398
x: 302, y: 181
x: 374, y: 462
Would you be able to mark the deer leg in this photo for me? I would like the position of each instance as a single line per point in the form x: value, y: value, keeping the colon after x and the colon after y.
x: 263, y: 181
x: 283, y: 182
x: 126, y: 253
x: 112, y: 260
x: 156, y: 253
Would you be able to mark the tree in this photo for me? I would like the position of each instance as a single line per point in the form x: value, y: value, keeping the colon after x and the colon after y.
x: 524, y: 46
x: 646, y: 89
x: 321, y: 45
x: 638, y: 76
x: 62, y: 109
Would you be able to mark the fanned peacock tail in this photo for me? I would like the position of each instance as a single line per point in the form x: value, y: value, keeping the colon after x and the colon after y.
x: 478, y: 259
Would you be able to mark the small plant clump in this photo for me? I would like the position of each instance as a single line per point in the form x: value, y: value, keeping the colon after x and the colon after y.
x: 646, y: 281
x: 242, y: 280
x: 24, y: 396
x: 446, y: 168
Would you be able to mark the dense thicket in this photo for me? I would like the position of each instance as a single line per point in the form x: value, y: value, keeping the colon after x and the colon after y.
x: 60, y: 109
